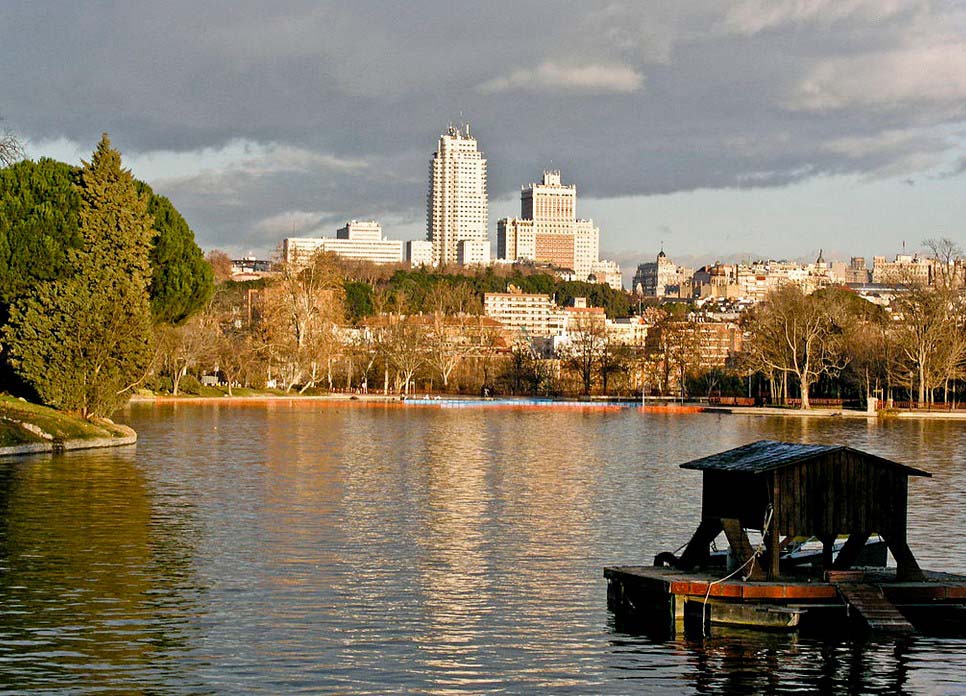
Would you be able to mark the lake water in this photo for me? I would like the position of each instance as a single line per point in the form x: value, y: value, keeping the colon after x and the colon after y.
x: 306, y: 548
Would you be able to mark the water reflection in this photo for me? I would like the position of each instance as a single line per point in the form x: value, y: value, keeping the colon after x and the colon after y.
x: 92, y: 587
x: 298, y: 546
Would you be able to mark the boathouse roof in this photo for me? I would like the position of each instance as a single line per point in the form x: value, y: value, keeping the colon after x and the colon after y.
x: 768, y: 455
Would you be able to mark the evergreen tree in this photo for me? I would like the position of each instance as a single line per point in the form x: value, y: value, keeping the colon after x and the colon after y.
x: 39, y: 218
x: 182, y: 281
x: 82, y: 342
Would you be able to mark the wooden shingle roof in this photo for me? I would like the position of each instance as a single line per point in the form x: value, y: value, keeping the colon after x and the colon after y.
x: 768, y: 455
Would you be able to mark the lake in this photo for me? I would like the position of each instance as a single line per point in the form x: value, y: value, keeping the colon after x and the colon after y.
x: 302, y: 547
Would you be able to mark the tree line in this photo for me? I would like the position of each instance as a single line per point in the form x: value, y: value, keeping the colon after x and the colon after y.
x: 914, y: 349
x: 344, y: 325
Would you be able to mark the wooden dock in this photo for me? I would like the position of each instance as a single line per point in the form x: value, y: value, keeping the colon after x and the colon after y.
x: 659, y: 601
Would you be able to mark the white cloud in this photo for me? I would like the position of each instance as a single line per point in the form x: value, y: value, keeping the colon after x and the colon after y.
x: 549, y: 76
x: 933, y: 74
x: 754, y: 16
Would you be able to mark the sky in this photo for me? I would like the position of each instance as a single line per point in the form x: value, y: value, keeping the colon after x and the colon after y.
x: 722, y: 130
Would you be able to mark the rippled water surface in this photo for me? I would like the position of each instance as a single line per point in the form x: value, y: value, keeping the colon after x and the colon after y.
x: 314, y: 548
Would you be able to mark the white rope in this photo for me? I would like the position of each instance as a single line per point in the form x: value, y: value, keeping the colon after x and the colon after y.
x: 750, y: 562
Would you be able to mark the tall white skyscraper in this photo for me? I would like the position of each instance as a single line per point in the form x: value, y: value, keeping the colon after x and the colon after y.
x: 456, y: 205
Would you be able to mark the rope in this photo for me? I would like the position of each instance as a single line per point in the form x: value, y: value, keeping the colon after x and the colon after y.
x: 750, y: 563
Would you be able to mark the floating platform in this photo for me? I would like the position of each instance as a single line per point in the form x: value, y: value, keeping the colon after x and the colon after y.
x: 663, y: 601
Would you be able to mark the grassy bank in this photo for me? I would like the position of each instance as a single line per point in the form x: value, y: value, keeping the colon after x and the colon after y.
x: 24, y: 423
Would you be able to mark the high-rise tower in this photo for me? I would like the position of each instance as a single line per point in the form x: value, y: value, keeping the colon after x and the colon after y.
x: 456, y: 216
x: 548, y: 230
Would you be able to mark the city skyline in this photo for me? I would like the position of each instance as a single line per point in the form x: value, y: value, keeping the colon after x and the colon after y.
x: 744, y: 129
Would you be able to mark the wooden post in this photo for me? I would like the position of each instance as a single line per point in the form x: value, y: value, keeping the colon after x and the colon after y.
x: 851, y: 550
x: 828, y: 548
x: 773, y: 540
x: 697, y: 551
x: 907, y: 569
x: 741, y: 547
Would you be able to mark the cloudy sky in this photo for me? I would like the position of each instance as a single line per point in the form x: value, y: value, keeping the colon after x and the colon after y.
x: 756, y: 127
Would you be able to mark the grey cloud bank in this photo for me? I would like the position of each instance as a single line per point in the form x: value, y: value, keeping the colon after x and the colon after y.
x: 254, y: 119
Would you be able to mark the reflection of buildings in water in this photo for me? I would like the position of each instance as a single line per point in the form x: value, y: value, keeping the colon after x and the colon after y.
x: 93, y: 566
x: 454, y: 572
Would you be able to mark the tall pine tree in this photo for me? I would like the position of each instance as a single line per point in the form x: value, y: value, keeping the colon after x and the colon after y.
x: 84, y: 341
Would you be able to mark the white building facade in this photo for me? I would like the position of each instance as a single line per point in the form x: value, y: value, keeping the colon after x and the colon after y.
x: 419, y: 252
x: 359, y: 240
x: 457, y: 201
x: 533, y: 314
x: 548, y: 230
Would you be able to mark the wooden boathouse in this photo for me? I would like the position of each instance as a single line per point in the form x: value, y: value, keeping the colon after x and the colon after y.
x: 790, y: 492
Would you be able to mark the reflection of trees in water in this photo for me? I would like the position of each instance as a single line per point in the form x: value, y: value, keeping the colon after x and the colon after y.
x: 96, y: 584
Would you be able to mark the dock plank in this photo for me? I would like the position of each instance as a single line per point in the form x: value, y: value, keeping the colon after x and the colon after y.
x: 874, y: 608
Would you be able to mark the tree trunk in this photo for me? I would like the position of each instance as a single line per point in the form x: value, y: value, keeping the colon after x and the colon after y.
x: 922, y: 382
x: 177, y: 380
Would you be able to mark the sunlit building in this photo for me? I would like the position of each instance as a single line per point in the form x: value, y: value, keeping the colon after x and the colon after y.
x: 359, y: 240
x: 419, y: 252
x: 528, y: 313
x: 457, y: 202
x: 548, y: 230
x: 661, y: 278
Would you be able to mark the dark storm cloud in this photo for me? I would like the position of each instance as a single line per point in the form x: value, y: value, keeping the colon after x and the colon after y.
x: 626, y: 98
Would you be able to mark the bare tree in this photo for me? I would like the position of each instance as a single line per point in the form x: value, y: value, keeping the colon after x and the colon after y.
x: 180, y: 347
x: 301, y: 315
x: 588, y: 337
x: 11, y: 149
x: 450, y: 338
x: 220, y: 263
x: 946, y: 253
x: 928, y: 337
x: 403, y: 345
x: 794, y: 333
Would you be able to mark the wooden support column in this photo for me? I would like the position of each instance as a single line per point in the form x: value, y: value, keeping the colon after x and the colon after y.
x: 698, y: 550
x: 828, y: 548
x: 772, y: 537
x: 851, y: 550
x: 741, y: 547
x: 907, y: 569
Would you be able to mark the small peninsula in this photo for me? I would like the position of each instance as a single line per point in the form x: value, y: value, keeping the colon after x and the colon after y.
x: 27, y: 428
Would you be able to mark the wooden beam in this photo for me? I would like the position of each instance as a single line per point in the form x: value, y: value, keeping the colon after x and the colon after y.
x: 698, y: 550
x: 828, y: 544
x: 741, y: 547
x: 907, y: 569
x: 851, y: 550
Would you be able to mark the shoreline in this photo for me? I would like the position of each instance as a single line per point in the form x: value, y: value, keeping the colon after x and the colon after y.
x: 526, y: 402
x: 126, y: 436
